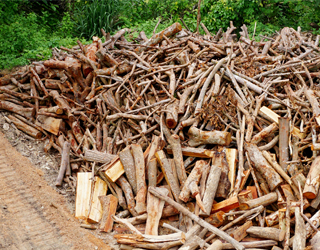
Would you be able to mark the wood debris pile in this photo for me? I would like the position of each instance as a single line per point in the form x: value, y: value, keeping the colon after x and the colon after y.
x: 182, y: 134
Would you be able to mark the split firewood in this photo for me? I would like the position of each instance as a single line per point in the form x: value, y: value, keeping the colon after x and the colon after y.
x: 109, y: 206
x: 312, y: 184
x: 154, y: 211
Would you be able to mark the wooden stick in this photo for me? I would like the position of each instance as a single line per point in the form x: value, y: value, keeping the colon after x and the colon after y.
x: 127, y: 190
x: 300, y: 236
x: 65, y: 162
x: 263, y: 200
x: 284, y: 130
x: 201, y: 222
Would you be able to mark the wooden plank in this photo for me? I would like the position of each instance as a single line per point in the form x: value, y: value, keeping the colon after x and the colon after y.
x: 100, y: 189
x: 83, y: 195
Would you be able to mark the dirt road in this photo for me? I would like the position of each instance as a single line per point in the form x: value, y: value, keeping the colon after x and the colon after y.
x: 32, y: 214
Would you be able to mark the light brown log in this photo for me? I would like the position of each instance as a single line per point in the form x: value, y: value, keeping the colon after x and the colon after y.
x: 94, y: 155
x: 284, y: 132
x: 140, y: 177
x: 127, y: 161
x: 270, y: 233
x: 77, y: 132
x: 152, y: 173
x: 260, y: 163
x: 226, y: 205
x: 127, y: 190
x: 168, y: 174
x: 194, y: 176
x: 282, y: 220
x: 193, y: 152
x: 311, y: 187
x: 151, y: 163
x: 147, y: 245
x: 157, y: 38
x: 231, y: 156
x: 152, y: 238
x: 263, y: 200
x: 139, y: 219
x: 240, y: 233
x: 211, y: 188
x: 178, y: 158
x: 83, y: 195
x: 300, y: 236
x: 288, y: 194
x: 280, y: 170
x: 198, y: 137
x: 65, y: 162
x: 62, y: 103
x: 100, y: 189
x: 267, y: 131
x: 109, y: 206
x: 154, y: 211
x: 201, y: 222
x: 25, y: 127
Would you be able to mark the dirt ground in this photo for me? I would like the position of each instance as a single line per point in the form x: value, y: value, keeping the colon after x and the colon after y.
x: 34, y: 213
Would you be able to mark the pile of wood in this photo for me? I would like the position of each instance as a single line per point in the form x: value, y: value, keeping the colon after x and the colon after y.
x: 183, y: 141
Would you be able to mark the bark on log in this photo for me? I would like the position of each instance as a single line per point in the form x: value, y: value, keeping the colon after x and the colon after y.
x: 25, y: 127
x: 127, y: 190
x: 141, y: 178
x: 300, y: 236
x: 109, y: 206
x: 65, y: 162
x: 127, y: 161
x: 267, y: 233
x: 263, y: 200
x: 284, y: 132
x: 94, y: 155
x: 211, y: 188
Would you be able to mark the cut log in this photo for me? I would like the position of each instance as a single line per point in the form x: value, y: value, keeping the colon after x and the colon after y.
x: 127, y: 161
x: 83, y: 195
x: 211, y: 188
x: 141, y: 178
x: 109, y: 206
x: 168, y: 174
x: 25, y: 127
x: 50, y: 124
x: 241, y: 232
x: 264, y: 133
x: 65, y: 162
x: 231, y: 156
x: 154, y: 211
x: 194, y: 176
x: 263, y: 200
x: 114, y: 170
x: 300, y: 236
x: 284, y: 132
x: 260, y: 163
x: 219, y: 160
x: 311, y: 187
x: 216, y: 219
x: 100, y: 189
x: 270, y: 233
x: 94, y: 155
x: 127, y: 190
x: 199, y: 137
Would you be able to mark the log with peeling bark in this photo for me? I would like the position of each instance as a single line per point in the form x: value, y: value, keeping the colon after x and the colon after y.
x: 109, y: 206
x: 198, y: 137
x: 267, y: 233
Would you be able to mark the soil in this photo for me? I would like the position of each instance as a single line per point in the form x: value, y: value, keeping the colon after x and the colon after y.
x: 34, y: 213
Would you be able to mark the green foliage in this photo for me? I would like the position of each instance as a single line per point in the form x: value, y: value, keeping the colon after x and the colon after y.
x: 92, y: 15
